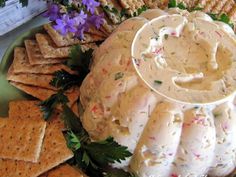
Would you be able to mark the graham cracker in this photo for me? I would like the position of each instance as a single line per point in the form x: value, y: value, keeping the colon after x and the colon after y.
x: 22, y: 139
x: 43, y: 94
x: 21, y: 64
x: 3, y: 121
x: 35, y: 56
x: 39, y: 80
x: 26, y: 109
x: 54, y: 152
x: 68, y: 40
x: 49, y: 49
x: 65, y: 170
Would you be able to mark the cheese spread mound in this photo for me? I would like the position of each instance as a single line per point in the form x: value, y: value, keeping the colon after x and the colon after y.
x: 163, y: 84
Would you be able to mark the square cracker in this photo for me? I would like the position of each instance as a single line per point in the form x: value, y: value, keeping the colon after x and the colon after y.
x: 21, y: 64
x: 49, y: 49
x: 22, y: 139
x: 65, y: 170
x: 54, y: 152
x: 23, y: 109
x: 131, y: 5
x: 35, y: 56
x: 31, y: 79
x: 156, y: 4
x: 114, y: 17
x: 68, y: 40
x: 43, y: 94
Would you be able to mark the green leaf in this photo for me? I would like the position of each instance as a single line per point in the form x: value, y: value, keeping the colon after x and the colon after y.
x: 110, y: 10
x: 224, y: 18
x: 197, y: 8
x: 79, y: 59
x: 182, y: 6
x: 64, y: 80
x: 73, y: 141
x: 142, y: 9
x: 172, y: 3
x: 213, y: 16
x: 107, y: 151
x: 85, y: 158
x: 2, y: 3
x: 24, y: 2
x: 48, y: 106
x: 73, y: 123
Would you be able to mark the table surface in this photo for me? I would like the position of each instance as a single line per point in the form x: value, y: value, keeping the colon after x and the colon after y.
x: 8, y: 38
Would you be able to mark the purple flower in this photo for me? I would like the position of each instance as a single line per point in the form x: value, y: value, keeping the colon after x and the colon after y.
x: 96, y: 20
x: 81, y: 29
x: 65, y: 25
x: 80, y: 18
x: 53, y: 12
x: 91, y: 5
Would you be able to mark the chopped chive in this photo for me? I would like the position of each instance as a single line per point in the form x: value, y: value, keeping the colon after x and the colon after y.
x: 157, y: 82
x: 119, y: 75
x: 166, y: 36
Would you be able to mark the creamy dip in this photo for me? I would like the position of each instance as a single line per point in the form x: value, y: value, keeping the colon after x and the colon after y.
x: 186, y: 59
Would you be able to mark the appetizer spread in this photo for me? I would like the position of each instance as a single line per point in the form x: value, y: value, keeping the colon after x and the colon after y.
x: 163, y: 84
x: 157, y: 99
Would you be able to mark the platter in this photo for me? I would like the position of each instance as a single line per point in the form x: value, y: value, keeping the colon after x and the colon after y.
x: 7, y: 91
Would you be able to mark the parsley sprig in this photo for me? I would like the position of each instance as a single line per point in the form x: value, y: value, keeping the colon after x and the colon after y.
x: 48, y: 106
x: 93, y: 157
x: 62, y: 80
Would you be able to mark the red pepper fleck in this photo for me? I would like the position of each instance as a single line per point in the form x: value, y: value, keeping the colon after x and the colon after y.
x: 108, y: 97
x: 104, y: 71
x: 174, y: 175
x: 173, y: 34
x: 218, y: 34
x: 186, y: 124
x: 152, y: 138
x: 94, y: 109
x: 157, y: 51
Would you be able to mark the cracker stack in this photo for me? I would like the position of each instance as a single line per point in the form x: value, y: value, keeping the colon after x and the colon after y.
x: 33, y: 65
x: 32, y: 146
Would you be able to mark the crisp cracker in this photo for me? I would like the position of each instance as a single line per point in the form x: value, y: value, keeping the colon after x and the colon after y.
x: 21, y: 64
x: 156, y: 4
x: 22, y: 139
x: 49, y: 49
x: 132, y: 5
x: 35, y: 56
x: 210, y: 5
x: 31, y: 79
x: 3, y: 121
x: 23, y: 109
x: 228, y: 6
x: 107, y: 27
x: 219, y: 5
x: 66, y: 170
x: 54, y: 152
x: 43, y: 94
x: 62, y: 41
x: 112, y: 4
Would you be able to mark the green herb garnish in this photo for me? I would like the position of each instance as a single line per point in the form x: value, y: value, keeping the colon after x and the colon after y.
x: 157, y: 82
x: 119, y: 75
x: 48, y: 106
x: 166, y: 36
x: 64, y: 80
x: 223, y: 18
x: 182, y: 6
x: 92, y: 157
